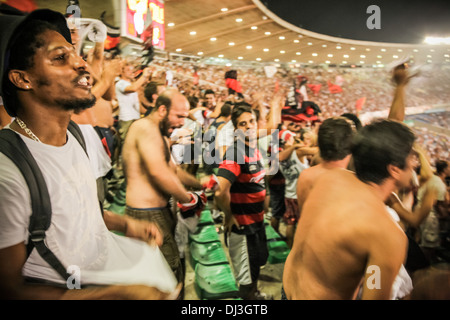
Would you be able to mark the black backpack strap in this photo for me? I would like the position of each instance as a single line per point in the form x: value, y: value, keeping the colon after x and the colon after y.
x: 12, y: 146
x: 76, y: 132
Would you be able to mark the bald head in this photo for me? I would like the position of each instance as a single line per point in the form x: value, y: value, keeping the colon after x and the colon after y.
x: 168, y: 97
x: 174, y: 108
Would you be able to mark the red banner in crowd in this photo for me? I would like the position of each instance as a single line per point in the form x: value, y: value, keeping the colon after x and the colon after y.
x: 315, y: 88
x: 360, y: 103
x: 22, y: 5
x: 334, y: 88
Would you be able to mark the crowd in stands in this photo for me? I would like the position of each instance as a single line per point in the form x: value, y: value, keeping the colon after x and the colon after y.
x: 166, y: 106
x: 431, y: 87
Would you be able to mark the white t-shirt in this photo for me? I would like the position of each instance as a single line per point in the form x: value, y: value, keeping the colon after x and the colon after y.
x: 77, y: 235
x: 291, y: 169
x: 99, y: 159
x: 129, y: 105
x: 182, y: 152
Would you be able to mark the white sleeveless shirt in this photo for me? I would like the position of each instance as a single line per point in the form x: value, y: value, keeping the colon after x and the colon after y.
x: 291, y: 169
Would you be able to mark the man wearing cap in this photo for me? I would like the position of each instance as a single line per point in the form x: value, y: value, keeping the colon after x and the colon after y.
x: 43, y: 82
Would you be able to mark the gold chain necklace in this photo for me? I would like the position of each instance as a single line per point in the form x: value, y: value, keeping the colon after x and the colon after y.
x: 27, y: 130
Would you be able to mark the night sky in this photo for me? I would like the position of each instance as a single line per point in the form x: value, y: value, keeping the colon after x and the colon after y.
x: 401, y: 21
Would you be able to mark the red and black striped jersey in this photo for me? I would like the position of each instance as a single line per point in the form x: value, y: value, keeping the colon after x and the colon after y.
x: 243, y: 167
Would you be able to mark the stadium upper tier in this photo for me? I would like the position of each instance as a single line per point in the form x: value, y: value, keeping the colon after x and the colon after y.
x: 245, y: 30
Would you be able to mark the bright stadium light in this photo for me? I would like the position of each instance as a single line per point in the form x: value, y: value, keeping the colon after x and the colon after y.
x: 437, y: 40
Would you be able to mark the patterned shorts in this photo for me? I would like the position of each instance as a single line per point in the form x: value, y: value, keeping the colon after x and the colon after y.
x: 292, y: 214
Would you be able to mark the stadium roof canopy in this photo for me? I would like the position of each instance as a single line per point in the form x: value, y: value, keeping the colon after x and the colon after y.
x: 233, y: 30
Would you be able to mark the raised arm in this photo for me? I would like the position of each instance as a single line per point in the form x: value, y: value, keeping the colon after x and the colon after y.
x: 106, y: 81
x: 217, y: 109
x: 274, y: 116
x: 400, y: 78
x: 135, y: 86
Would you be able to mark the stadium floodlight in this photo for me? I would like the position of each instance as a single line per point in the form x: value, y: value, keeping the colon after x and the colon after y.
x: 437, y: 40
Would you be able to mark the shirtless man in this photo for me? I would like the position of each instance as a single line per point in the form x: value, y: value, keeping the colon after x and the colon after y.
x: 152, y: 176
x: 346, y: 239
x: 335, y: 140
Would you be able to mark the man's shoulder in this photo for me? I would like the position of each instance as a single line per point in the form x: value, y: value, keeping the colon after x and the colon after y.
x: 311, y: 172
x: 335, y: 176
x: 144, y: 123
x: 144, y: 129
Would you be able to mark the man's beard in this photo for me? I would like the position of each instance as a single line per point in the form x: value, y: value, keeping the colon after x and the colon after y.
x: 164, y: 126
x: 77, y: 105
